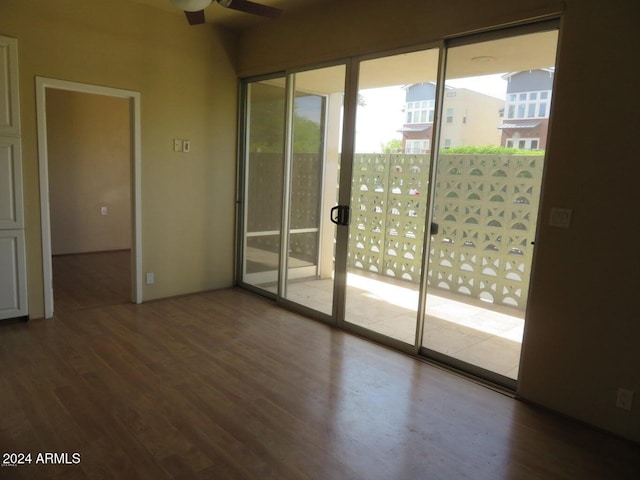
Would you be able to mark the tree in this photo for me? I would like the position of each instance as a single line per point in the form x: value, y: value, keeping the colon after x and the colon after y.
x: 392, y: 146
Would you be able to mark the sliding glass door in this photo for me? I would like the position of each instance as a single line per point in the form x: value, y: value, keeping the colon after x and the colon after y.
x: 264, y: 167
x: 389, y: 193
x: 495, y: 122
x: 292, y: 151
x: 316, y: 129
x: 398, y: 198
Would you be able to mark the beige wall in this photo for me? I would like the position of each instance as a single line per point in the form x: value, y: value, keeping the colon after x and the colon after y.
x: 583, y: 334
x: 188, y: 89
x: 89, y: 160
x: 583, y: 327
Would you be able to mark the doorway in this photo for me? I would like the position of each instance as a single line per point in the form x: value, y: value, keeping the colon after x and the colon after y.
x: 437, y: 191
x: 89, y: 153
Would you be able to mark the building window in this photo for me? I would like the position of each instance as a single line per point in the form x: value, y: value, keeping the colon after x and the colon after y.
x: 420, y: 112
x: 523, y: 143
x: 449, y: 115
x: 542, y: 112
x: 416, y: 146
x: 528, y: 104
x: 447, y: 143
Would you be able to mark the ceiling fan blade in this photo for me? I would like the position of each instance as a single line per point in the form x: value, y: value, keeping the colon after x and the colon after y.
x: 195, y: 18
x: 247, y: 6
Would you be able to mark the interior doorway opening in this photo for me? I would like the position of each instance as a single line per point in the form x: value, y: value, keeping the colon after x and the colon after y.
x: 89, y: 152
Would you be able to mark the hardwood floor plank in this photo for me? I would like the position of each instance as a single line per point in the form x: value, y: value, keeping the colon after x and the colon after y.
x: 256, y: 456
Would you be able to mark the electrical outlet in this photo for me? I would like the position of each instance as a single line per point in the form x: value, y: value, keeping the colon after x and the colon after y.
x: 149, y: 278
x: 625, y: 399
x: 177, y: 145
x: 104, y: 210
x: 560, y: 217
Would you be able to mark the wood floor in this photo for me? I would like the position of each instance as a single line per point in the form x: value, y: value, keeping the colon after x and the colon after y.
x: 225, y: 385
x: 91, y: 280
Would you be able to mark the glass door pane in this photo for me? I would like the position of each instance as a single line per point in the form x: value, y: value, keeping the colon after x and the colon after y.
x: 316, y: 125
x: 495, y: 122
x: 394, y: 127
x: 264, y: 167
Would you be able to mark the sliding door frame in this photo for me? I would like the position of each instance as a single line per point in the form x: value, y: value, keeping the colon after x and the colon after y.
x: 241, y: 204
x: 461, y: 366
x: 352, y: 91
x: 344, y: 190
x: 241, y: 181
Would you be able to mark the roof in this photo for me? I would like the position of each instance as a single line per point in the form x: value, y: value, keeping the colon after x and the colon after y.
x: 422, y: 128
x: 508, y: 75
x: 520, y: 125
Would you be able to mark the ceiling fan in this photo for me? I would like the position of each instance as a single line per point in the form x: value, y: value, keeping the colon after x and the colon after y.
x: 194, y: 9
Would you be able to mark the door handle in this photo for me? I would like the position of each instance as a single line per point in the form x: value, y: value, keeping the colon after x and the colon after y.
x: 340, y: 215
x: 332, y: 217
x: 435, y: 228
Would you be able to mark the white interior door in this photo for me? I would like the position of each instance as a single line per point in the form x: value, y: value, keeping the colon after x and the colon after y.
x: 13, y: 271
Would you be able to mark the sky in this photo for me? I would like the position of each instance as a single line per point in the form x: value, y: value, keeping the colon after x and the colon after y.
x: 492, y: 85
x: 378, y: 121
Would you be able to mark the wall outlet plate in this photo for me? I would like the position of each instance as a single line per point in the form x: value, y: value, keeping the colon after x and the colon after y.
x: 560, y: 217
x: 624, y: 399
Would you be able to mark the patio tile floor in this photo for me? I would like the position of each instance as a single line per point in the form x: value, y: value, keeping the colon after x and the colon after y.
x: 481, y: 334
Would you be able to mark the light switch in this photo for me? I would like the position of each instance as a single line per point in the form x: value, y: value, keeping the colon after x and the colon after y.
x: 560, y: 217
x: 177, y: 145
x: 186, y: 146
